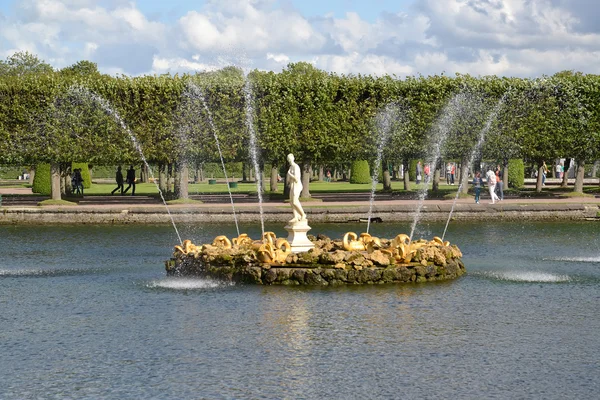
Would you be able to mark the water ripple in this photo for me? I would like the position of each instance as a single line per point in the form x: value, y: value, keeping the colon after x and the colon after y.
x: 185, y: 284
x: 575, y: 259
x: 524, y: 276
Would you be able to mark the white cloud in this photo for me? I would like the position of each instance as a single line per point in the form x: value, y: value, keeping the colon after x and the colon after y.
x: 480, y: 37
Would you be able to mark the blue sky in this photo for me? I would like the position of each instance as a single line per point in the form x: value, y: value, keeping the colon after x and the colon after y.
x: 402, y: 37
x: 368, y: 9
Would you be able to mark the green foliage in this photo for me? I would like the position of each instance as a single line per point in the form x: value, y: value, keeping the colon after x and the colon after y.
x: 79, y: 115
x: 516, y: 173
x: 42, y: 181
x: 10, y: 172
x: 360, y: 172
x: 85, y: 173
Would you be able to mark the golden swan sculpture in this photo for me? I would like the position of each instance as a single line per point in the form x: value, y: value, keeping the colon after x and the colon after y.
x: 222, y: 241
x: 242, y: 240
x: 351, y: 243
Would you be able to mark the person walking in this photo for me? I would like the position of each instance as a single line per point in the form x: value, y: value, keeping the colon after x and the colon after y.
x: 77, y: 181
x: 130, y: 180
x: 452, y: 173
x: 448, y: 172
x: 477, y: 184
x: 491, y: 181
x: 427, y: 171
x: 499, y: 185
x: 544, y: 172
x: 119, y: 179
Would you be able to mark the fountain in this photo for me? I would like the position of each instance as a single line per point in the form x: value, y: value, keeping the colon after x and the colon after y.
x: 85, y: 93
x: 442, y: 126
x: 254, y: 148
x: 305, y: 259
x: 194, y: 92
x: 476, y: 149
x: 384, y: 127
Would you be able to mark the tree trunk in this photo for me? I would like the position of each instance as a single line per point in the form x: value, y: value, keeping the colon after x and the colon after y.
x: 321, y: 174
x: 565, y: 179
x: 273, y: 182
x: 306, y: 174
x: 181, y: 182
x: 538, y: 185
x: 387, y: 179
x: 144, y: 173
x: 32, y: 175
x: 162, y: 178
x: 464, y: 175
x: 244, y: 172
x: 55, y: 176
x: 580, y: 175
x: 594, y: 169
x: 406, y: 174
x: 436, y: 179
x: 169, y: 176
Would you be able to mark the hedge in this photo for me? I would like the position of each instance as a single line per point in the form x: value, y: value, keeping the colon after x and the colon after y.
x: 516, y: 173
x: 42, y: 181
x: 360, y: 172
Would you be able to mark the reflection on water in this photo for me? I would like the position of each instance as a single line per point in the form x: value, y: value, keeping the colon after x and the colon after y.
x: 107, y: 323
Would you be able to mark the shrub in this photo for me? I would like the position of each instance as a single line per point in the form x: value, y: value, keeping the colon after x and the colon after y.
x: 42, y: 181
x: 85, y: 173
x: 360, y: 172
x: 516, y: 173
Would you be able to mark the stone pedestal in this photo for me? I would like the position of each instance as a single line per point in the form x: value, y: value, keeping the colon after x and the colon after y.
x: 297, y: 236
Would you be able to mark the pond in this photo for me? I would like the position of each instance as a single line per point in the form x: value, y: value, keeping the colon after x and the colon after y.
x: 88, y: 312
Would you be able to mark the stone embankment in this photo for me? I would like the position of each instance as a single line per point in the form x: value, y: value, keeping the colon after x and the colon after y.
x: 387, y: 211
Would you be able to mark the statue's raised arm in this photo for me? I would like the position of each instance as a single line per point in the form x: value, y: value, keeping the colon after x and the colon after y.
x: 295, y: 178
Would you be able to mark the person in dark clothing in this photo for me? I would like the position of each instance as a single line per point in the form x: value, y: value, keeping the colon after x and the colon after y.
x: 77, y: 182
x: 119, y: 179
x: 130, y: 180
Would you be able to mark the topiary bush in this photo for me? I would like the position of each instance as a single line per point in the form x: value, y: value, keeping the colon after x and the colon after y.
x: 516, y: 173
x: 360, y: 172
x: 85, y: 173
x: 42, y: 181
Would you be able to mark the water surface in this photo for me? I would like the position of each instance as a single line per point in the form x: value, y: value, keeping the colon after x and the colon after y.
x: 87, y: 312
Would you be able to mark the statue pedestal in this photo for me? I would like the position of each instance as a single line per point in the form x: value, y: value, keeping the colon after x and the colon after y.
x: 297, y: 236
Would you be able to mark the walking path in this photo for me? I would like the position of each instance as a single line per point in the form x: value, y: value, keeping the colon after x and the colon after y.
x: 338, y: 207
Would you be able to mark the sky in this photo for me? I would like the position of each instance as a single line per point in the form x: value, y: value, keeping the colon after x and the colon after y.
x: 522, y: 38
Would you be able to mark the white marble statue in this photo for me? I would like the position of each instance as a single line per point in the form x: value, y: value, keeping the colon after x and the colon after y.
x: 294, y: 176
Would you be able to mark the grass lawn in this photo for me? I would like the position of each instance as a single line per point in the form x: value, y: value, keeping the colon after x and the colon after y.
x: 205, y: 188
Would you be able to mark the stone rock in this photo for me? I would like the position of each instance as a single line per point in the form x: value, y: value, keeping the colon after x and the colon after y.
x: 328, y: 274
x: 308, y: 257
x: 283, y: 274
x: 270, y: 276
x: 254, y: 274
x: 354, y: 258
x: 391, y: 275
x: 340, y: 266
x: 379, y: 258
x: 341, y: 274
x: 298, y: 275
x: 314, y: 278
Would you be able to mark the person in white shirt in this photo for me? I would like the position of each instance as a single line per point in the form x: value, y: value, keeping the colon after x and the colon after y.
x: 491, y: 181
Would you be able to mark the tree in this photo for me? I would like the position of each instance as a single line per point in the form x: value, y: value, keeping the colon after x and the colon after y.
x: 24, y: 63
